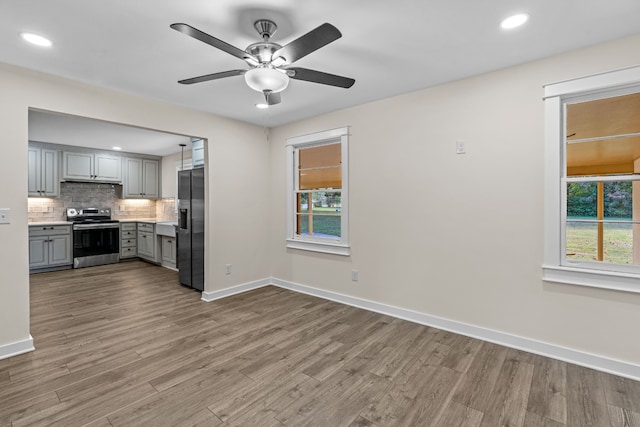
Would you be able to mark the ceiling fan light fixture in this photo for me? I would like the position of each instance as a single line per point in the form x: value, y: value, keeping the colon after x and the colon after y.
x: 278, y: 62
x: 262, y: 105
x: 252, y: 61
x: 266, y: 79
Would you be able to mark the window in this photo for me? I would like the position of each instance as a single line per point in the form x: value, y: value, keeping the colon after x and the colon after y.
x: 592, y: 190
x: 317, y: 208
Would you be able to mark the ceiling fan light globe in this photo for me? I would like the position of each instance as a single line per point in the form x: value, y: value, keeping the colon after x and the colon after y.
x: 266, y: 79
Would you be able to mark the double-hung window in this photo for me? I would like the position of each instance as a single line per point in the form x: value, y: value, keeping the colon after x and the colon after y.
x: 592, y: 190
x: 318, y: 192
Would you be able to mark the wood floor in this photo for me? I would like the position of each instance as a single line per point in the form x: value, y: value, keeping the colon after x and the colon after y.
x: 125, y: 345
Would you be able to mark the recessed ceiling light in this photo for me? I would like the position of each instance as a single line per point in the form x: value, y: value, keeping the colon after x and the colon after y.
x: 262, y: 106
x: 36, y: 39
x: 514, y: 21
x: 117, y: 148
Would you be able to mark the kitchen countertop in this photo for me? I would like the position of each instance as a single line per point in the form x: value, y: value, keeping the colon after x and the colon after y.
x: 147, y: 220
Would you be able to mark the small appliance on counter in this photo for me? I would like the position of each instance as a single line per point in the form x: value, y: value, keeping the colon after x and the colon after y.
x: 191, y: 228
x: 96, y: 237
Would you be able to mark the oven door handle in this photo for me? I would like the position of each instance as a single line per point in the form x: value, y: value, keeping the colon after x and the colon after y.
x: 94, y: 226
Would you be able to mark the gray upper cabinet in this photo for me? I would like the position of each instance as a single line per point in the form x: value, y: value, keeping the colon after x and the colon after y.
x: 43, y: 172
x: 91, y: 167
x: 197, y: 153
x: 142, y: 177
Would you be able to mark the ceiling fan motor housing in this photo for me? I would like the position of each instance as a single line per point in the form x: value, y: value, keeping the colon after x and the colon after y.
x: 263, y: 51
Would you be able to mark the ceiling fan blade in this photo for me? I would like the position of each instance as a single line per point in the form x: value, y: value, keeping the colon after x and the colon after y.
x: 272, y: 98
x: 319, y: 77
x: 213, y: 76
x: 212, y: 41
x: 308, y: 43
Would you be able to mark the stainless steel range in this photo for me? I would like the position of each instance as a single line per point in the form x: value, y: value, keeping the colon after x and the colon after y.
x: 96, y: 237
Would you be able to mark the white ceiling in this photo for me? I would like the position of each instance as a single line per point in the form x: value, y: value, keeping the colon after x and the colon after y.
x: 389, y: 47
x: 84, y: 132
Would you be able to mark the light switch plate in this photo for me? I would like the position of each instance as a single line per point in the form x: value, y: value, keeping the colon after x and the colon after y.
x: 460, y: 149
x: 5, y: 215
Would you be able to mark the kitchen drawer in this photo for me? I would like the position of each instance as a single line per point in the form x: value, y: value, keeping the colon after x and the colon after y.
x: 127, y: 243
x: 128, y: 226
x: 128, y: 234
x: 145, y: 227
x: 128, y: 252
x: 48, y: 230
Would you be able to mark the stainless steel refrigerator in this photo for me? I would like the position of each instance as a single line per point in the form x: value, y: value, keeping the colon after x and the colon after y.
x: 191, y: 228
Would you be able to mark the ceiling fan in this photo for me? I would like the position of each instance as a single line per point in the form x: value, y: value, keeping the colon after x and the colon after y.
x: 269, y: 62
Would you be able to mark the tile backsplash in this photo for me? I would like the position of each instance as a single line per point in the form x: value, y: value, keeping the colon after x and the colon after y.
x: 89, y: 195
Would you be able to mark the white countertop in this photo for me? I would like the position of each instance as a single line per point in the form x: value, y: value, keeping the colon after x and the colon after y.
x: 147, y: 220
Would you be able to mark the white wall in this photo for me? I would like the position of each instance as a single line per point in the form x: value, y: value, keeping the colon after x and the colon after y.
x: 169, y: 172
x: 460, y: 236
x: 457, y: 236
x: 236, y: 167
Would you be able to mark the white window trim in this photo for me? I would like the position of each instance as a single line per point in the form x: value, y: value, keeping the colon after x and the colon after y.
x: 555, y: 96
x: 330, y: 246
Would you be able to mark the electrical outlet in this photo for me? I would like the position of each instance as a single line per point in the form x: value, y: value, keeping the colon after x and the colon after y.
x: 5, y: 216
x: 354, y: 275
x: 460, y: 148
x: 227, y: 269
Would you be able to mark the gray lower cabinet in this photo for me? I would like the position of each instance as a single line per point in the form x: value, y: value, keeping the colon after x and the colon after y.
x: 147, y: 241
x: 169, y: 251
x: 128, y: 240
x: 49, y: 246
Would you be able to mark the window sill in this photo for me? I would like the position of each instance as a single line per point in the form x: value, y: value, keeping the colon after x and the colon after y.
x: 626, y: 282
x: 326, y: 248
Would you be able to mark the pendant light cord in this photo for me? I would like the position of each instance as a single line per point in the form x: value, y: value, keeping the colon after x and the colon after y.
x: 182, y: 156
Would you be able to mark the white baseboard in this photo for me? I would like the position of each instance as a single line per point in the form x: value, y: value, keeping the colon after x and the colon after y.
x: 227, y: 292
x: 16, y: 348
x: 593, y: 361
